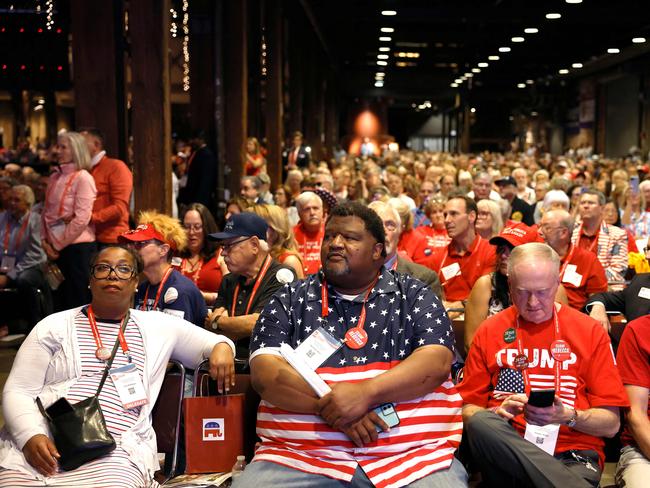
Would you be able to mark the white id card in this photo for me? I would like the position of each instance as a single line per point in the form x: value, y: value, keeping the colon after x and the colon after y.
x: 571, y: 276
x: 448, y: 272
x: 644, y: 293
x: 319, y: 346
x: 129, y: 386
x: 543, y: 436
x: 8, y: 263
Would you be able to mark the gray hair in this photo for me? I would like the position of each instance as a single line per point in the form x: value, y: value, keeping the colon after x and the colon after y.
x: 379, y: 206
x: 27, y: 194
x: 555, y: 196
x: 534, y: 252
x: 601, y: 197
x: 254, y: 181
x: 305, y: 197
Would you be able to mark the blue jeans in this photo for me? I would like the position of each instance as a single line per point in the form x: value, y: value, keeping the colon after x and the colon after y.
x: 268, y: 474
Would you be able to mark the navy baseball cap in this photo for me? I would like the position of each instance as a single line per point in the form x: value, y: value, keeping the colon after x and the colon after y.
x: 506, y: 180
x: 245, y: 224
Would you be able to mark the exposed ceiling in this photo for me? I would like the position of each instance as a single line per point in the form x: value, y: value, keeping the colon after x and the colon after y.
x: 451, y: 37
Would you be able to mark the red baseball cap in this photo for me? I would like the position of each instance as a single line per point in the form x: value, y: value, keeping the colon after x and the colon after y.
x: 144, y: 232
x: 516, y: 234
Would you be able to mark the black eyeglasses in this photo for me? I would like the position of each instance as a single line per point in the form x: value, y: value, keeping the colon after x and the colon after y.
x: 646, y: 249
x: 228, y: 246
x: 102, y: 271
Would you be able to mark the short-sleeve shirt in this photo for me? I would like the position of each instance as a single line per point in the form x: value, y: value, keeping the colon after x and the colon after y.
x: 582, y: 276
x: 589, y: 379
x: 179, y: 296
x: 207, y: 277
x: 402, y: 315
x: 633, y: 359
x: 477, y: 261
x: 268, y: 286
x: 309, y: 246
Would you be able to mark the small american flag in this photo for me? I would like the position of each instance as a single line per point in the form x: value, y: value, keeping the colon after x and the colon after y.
x: 510, y: 381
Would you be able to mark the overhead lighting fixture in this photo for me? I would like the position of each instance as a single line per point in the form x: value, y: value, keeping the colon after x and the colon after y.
x: 454, y: 85
x: 384, y: 49
x: 493, y: 58
x: 482, y: 65
x: 638, y: 40
x: 574, y: 1
x: 553, y: 16
x: 468, y: 75
x: 382, y: 63
x: 380, y: 74
x: 473, y: 110
x: 407, y: 54
x: 563, y: 71
x: 379, y: 84
x: 382, y: 56
x: 504, y: 49
x: 459, y: 81
x: 534, y: 114
x: 529, y: 82
x: 518, y: 39
x: 576, y: 65
x: 521, y: 85
x: 388, y: 13
x: 531, y: 30
x: 387, y: 30
x: 476, y: 70
x: 613, y: 50
x: 385, y: 39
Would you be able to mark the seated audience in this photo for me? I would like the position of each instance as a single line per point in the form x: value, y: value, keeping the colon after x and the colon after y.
x: 489, y: 220
x: 435, y: 232
x: 520, y: 211
x: 254, y: 277
x: 411, y: 242
x: 156, y: 239
x: 201, y: 260
x: 580, y: 274
x: 63, y: 357
x: 636, y: 217
x: 612, y: 216
x: 339, y: 439
x: 515, y: 438
x: 310, y: 229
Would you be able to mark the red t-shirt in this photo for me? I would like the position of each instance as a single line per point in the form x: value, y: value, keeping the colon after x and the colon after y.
x: 415, y: 245
x: 633, y: 358
x: 309, y: 246
x: 207, y: 276
x: 459, y: 273
x: 435, y: 237
x: 589, y: 379
x: 582, y: 276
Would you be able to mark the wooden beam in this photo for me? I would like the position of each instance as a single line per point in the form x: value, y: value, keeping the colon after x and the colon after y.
x: 149, y: 29
x: 274, y: 102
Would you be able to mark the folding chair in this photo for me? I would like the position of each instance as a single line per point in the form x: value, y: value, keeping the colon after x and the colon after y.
x: 166, y: 416
x: 205, y: 386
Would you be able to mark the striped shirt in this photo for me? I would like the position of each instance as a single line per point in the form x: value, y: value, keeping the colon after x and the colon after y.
x: 402, y: 315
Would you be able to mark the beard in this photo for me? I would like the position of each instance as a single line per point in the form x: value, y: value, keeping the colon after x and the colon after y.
x: 336, y: 271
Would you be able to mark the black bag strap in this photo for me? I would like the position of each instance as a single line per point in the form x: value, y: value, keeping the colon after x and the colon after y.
x: 40, y: 407
x: 125, y: 320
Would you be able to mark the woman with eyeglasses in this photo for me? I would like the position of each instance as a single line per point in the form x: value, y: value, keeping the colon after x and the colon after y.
x: 489, y: 221
x: 65, y: 356
x: 156, y: 239
x: 201, y: 261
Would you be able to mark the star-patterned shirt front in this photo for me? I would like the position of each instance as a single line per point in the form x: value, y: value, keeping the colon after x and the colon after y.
x: 402, y: 314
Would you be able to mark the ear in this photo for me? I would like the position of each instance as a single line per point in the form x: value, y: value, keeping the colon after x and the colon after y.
x: 164, y: 249
x: 472, y: 216
x: 376, y: 251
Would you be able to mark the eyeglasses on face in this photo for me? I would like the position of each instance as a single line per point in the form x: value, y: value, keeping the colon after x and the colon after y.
x: 193, y: 227
x: 227, y: 246
x: 102, y: 271
x: 140, y: 244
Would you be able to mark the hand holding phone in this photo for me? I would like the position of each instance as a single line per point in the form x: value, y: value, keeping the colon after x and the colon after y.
x: 388, y: 414
x: 541, y: 398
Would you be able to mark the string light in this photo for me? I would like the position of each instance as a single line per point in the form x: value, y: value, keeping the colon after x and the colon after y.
x: 173, y: 28
x: 49, y: 14
x: 186, y: 45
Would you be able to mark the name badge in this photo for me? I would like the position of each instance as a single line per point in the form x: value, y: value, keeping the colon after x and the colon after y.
x: 543, y: 436
x: 129, y: 386
x: 571, y: 276
x: 8, y: 263
x: 317, y: 348
x: 448, y: 272
x: 644, y: 293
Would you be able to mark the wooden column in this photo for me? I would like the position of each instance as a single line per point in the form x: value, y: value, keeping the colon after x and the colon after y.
x: 274, y: 102
x: 149, y: 28
x: 99, y: 67
x: 297, y: 68
x: 255, y: 19
x: 235, y: 88
x: 331, y: 115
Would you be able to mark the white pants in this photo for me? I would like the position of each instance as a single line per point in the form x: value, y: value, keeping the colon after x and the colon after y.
x: 633, y: 468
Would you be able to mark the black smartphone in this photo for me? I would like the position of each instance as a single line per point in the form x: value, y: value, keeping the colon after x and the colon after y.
x: 59, y: 407
x: 541, y: 398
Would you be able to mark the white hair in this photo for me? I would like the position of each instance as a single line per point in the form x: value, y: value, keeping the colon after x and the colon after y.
x: 305, y: 197
x: 535, y: 252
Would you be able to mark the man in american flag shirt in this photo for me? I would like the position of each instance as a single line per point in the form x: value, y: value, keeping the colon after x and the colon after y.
x: 539, y: 345
x: 406, y: 359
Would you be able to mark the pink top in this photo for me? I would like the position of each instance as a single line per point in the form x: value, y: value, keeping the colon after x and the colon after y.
x: 70, y: 197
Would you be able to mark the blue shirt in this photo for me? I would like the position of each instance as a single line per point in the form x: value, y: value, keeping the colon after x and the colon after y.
x: 179, y: 297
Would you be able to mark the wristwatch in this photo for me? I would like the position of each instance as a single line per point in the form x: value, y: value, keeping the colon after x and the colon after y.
x: 215, y: 322
x: 573, y: 420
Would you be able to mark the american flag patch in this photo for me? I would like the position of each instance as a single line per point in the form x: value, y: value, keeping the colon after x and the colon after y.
x: 510, y: 381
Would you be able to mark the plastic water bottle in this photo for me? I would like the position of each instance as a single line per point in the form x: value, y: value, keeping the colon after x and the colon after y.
x: 238, y: 467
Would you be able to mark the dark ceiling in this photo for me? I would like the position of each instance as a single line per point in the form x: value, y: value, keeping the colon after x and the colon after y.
x: 453, y: 36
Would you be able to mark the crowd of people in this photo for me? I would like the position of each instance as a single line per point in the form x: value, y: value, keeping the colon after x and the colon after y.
x: 360, y: 264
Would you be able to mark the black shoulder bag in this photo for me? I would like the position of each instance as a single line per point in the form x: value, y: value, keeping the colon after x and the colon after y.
x: 79, y: 430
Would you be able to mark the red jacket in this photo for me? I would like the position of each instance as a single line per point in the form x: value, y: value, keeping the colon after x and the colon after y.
x: 114, y: 183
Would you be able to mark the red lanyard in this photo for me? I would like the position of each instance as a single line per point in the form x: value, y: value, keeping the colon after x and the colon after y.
x: 567, y: 260
x: 593, y: 244
x: 73, y: 176
x: 160, y: 288
x: 19, y: 236
x: 98, y: 338
x: 189, y: 162
x: 557, y: 363
x: 258, y: 282
x: 325, y: 302
x: 195, y: 271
